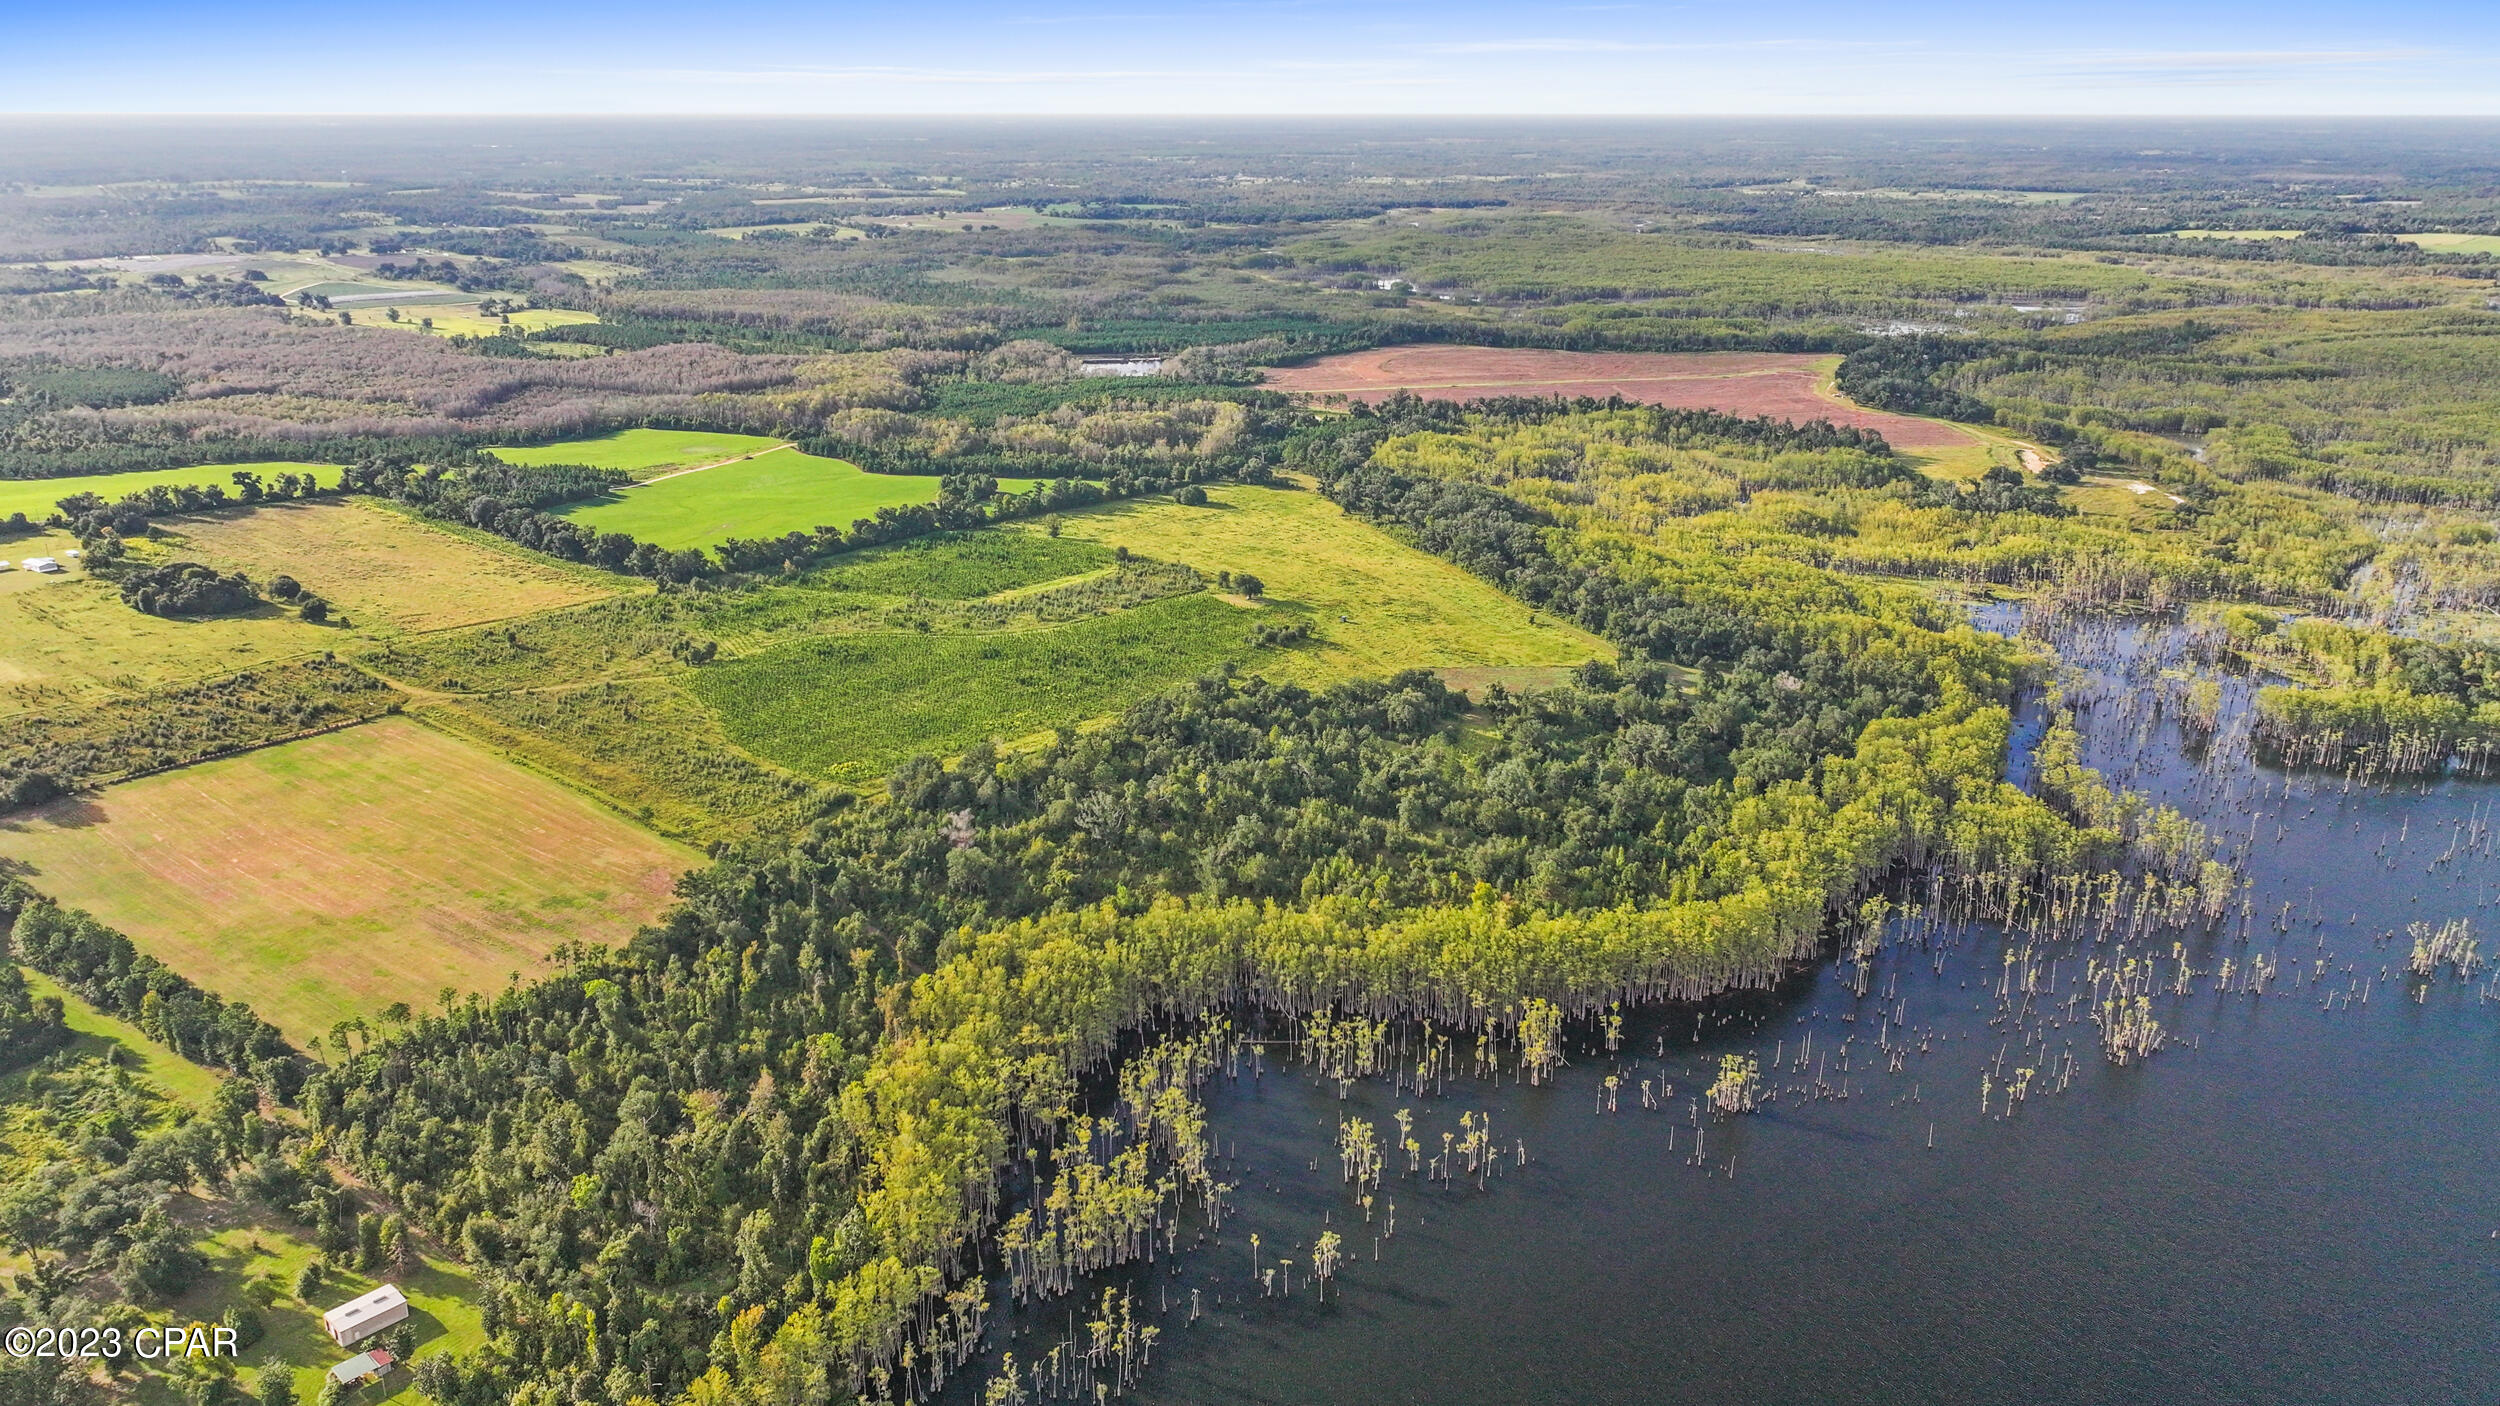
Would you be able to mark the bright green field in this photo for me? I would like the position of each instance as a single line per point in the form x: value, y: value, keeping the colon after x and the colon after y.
x: 1375, y: 604
x: 640, y: 451
x: 35, y: 497
x: 766, y: 496
x: 852, y: 707
x: 2446, y: 243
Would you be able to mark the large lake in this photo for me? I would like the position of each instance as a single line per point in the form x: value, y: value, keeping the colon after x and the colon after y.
x: 2286, y: 1203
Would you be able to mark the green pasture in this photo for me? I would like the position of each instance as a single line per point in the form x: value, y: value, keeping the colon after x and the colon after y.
x: 640, y: 451
x: 778, y: 491
x: 960, y: 565
x: 1375, y: 605
x: 36, y: 497
x: 851, y: 707
x: 69, y: 639
x: 2446, y: 243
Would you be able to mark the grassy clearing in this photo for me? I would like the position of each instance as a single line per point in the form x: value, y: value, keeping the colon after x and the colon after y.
x: 801, y: 228
x: 940, y: 581
x: 122, y: 737
x: 2236, y: 233
x: 468, y: 322
x: 1966, y: 463
x: 646, y: 748
x: 775, y: 492
x: 598, y: 270
x: 383, y: 569
x: 327, y: 878
x: 261, y: 1257
x: 36, y: 497
x: 962, y: 565
x: 851, y: 707
x: 2448, y: 243
x: 179, y: 1078
x: 1375, y: 604
x: 644, y: 452
x: 263, y: 1254
x: 69, y: 639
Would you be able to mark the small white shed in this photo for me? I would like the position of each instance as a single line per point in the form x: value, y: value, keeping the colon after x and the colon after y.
x: 358, y: 1319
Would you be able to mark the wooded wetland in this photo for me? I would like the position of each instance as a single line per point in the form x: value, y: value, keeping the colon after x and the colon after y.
x: 683, y: 759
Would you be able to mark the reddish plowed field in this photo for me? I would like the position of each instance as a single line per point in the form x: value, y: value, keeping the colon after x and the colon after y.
x: 1784, y: 385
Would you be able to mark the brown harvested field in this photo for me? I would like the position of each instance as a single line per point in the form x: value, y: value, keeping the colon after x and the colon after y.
x: 325, y: 879
x: 383, y: 568
x: 1782, y: 385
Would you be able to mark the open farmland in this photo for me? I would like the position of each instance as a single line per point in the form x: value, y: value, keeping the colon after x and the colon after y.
x: 645, y: 453
x: 778, y: 491
x: 1782, y: 385
x: 850, y: 707
x: 69, y: 639
x: 328, y: 878
x: 385, y: 569
x: 2446, y: 242
x: 1374, y: 604
x: 464, y: 320
x: 645, y: 747
x: 36, y: 497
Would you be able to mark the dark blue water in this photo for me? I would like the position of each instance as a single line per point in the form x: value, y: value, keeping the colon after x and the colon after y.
x: 2295, y: 1200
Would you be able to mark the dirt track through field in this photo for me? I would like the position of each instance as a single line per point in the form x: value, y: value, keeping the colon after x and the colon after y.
x: 717, y: 464
x: 1782, y: 385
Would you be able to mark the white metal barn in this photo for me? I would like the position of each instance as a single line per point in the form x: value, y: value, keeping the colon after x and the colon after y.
x: 358, y: 1319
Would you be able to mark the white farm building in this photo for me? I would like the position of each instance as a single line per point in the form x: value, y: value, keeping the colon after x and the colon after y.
x: 358, y: 1319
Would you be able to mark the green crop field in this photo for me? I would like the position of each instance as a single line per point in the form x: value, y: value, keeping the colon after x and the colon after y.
x: 643, y: 452
x: 851, y: 707
x: 385, y: 569
x: 1376, y: 605
x: 35, y: 497
x: 775, y: 492
x: 328, y: 878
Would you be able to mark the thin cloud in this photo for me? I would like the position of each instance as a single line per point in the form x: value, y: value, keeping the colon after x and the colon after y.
x: 2258, y: 58
x: 2223, y: 68
x: 933, y: 76
x: 1546, y: 46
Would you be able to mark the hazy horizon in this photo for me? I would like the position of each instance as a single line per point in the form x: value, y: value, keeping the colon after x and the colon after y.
x: 2132, y: 58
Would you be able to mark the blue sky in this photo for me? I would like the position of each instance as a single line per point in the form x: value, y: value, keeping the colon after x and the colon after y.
x: 2196, y: 57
